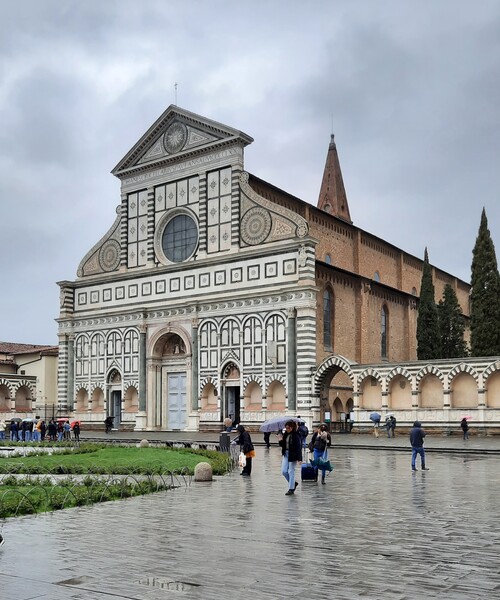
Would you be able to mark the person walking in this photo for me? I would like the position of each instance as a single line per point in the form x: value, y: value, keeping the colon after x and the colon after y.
x: 291, y: 449
x: 2, y: 429
x: 320, y: 442
x: 417, y: 435
x: 303, y: 432
x: 267, y: 439
x: 246, y: 446
x: 465, y: 428
x: 43, y: 429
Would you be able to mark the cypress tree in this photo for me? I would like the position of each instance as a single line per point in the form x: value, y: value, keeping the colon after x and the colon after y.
x: 451, y: 325
x: 428, y: 343
x: 485, y: 295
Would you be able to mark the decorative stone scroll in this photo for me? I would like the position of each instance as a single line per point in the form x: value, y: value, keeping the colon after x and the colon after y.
x: 264, y: 221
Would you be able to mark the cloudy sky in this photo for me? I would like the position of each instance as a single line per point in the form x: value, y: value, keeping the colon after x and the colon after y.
x: 410, y: 89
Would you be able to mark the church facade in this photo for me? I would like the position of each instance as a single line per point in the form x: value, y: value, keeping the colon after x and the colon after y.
x: 216, y: 294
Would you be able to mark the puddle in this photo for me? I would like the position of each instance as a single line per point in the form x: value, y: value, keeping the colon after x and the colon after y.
x: 168, y: 584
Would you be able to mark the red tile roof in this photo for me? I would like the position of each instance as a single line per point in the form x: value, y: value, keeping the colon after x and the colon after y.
x: 11, y: 348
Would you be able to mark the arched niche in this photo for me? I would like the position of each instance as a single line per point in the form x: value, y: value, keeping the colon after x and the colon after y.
x: 464, y: 391
x: 371, y: 394
x: 400, y: 393
x: 431, y: 392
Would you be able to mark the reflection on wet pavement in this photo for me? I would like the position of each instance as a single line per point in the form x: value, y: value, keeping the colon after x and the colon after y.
x: 375, y: 530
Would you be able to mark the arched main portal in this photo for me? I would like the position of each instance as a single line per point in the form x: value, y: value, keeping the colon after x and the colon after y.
x: 169, y: 404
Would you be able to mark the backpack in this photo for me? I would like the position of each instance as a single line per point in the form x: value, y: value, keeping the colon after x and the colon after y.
x: 303, y: 431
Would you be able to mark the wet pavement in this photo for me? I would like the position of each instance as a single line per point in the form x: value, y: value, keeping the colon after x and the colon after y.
x: 374, y: 531
x: 433, y: 443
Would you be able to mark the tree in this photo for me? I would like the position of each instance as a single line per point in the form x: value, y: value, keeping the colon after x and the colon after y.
x: 485, y: 295
x: 451, y: 325
x: 428, y: 343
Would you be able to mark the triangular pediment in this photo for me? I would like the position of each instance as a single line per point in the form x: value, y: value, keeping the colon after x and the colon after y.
x: 178, y: 134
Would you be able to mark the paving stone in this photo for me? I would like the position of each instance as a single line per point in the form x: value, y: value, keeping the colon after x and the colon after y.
x: 375, y: 530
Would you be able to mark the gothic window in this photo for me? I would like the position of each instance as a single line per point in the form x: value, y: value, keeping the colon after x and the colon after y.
x: 384, y: 325
x: 376, y: 277
x: 115, y: 341
x: 208, y: 345
x: 97, y: 354
x: 327, y: 319
x: 82, y: 350
x: 276, y: 340
x: 252, y: 342
x: 328, y: 259
x: 230, y: 334
x: 131, y: 351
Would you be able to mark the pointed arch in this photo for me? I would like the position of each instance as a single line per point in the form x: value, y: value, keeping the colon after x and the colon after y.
x: 401, y: 371
x: 463, y: 368
x: 335, y: 361
x: 209, y: 380
x: 491, y: 369
x: 428, y: 370
x: 8, y: 384
x: 370, y: 372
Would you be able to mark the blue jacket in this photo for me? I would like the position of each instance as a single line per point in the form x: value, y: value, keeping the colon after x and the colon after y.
x: 417, y: 435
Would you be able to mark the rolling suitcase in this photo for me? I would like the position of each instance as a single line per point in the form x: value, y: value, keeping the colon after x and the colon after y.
x: 308, y: 472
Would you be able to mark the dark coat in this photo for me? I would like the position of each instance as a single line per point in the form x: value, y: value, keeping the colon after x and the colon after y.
x: 245, y: 442
x: 417, y: 435
x: 295, y: 449
x: 317, y: 443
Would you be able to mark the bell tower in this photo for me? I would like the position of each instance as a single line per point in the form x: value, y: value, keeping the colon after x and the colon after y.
x: 332, y: 197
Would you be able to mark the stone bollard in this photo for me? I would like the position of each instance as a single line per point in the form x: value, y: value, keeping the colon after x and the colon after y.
x: 144, y: 444
x: 203, y: 472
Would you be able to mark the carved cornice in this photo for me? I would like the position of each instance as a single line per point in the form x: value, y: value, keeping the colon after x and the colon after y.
x: 137, y: 319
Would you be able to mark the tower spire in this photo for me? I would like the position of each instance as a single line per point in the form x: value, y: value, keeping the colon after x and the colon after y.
x: 332, y: 197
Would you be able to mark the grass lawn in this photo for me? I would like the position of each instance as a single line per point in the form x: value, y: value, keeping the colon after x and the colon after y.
x: 24, y: 495
x: 102, y: 459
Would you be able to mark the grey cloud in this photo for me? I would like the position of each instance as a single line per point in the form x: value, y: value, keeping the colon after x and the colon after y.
x: 413, y: 91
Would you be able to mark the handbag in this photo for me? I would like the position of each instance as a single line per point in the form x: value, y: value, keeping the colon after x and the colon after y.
x: 242, y: 460
x: 322, y: 463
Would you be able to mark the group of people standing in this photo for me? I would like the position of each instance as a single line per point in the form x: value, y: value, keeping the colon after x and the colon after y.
x: 292, y: 440
x: 39, y: 431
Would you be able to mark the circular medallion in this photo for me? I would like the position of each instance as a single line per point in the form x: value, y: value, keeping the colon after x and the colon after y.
x: 109, y: 256
x: 255, y: 226
x: 301, y: 230
x: 175, y: 138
